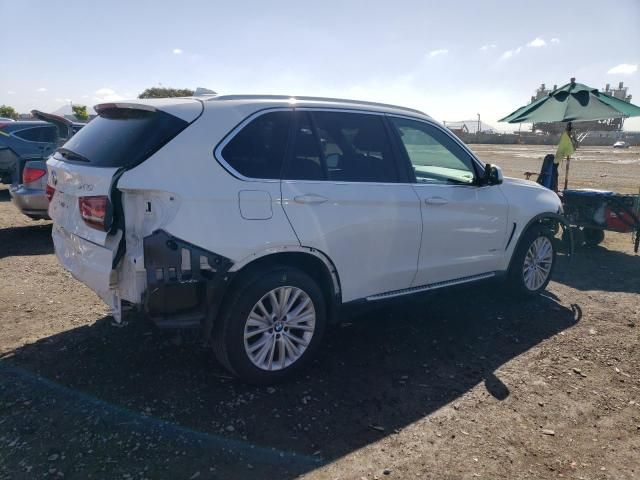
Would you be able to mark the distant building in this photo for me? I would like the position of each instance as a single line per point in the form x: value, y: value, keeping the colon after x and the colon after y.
x: 468, y: 126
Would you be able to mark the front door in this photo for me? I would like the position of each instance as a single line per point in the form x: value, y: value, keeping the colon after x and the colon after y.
x: 342, y: 193
x: 464, y: 224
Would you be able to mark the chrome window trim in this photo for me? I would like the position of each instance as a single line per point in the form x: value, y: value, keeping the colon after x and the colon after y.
x: 217, y: 152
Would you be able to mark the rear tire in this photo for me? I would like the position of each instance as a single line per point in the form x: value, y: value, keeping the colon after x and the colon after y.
x: 532, y: 263
x: 271, y: 326
x: 593, y: 236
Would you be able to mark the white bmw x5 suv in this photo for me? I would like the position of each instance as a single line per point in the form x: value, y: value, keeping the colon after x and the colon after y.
x: 259, y: 218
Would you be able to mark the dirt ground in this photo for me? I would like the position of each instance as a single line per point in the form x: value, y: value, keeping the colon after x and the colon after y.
x: 462, y: 384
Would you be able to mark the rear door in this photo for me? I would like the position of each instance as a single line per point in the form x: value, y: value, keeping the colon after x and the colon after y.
x: 344, y: 195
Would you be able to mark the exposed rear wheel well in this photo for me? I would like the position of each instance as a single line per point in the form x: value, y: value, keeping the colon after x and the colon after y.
x: 308, y: 263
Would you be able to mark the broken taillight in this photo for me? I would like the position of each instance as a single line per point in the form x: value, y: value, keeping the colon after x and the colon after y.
x: 94, y: 211
x: 32, y: 174
x: 50, y: 191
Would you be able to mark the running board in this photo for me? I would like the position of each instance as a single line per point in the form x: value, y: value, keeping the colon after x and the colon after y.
x: 431, y: 286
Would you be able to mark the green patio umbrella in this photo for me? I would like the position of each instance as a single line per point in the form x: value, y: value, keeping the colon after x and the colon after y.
x: 573, y: 102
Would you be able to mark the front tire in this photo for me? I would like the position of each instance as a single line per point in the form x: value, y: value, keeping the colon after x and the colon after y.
x: 533, y: 263
x: 271, y: 326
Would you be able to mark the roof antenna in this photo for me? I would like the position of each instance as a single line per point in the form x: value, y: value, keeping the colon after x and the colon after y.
x: 203, y: 92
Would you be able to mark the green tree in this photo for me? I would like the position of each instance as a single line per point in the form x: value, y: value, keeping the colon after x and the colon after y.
x: 161, y: 92
x: 8, y: 112
x: 80, y: 111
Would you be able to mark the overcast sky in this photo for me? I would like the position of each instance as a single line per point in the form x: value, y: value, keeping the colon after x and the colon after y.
x: 450, y: 59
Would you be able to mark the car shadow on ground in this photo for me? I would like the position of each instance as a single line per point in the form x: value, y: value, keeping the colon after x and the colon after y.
x: 597, y: 268
x: 376, y: 374
x: 27, y: 240
x: 4, y: 194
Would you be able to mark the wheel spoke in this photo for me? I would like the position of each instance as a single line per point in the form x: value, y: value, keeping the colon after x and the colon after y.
x: 296, y: 340
x: 527, y: 276
x: 282, y: 353
x: 256, y: 321
x: 253, y: 333
x: 264, y: 351
x: 258, y: 344
x: 260, y: 306
x: 301, y: 319
x: 538, y: 281
x: 271, y: 352
x: 303, y: 304
x: 284, y: 294
x: 275, y: 304
x: 304, y: 328
x: 292, y: 301
x: 289, y: 346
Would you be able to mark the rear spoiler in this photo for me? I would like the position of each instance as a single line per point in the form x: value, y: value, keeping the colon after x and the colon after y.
x: 101, y: 107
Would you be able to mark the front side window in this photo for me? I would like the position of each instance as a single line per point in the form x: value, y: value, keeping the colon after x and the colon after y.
x: 258, y: 150
x: 435, y: 157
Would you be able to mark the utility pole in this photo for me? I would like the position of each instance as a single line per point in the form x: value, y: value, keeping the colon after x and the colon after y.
x: 478, y: 129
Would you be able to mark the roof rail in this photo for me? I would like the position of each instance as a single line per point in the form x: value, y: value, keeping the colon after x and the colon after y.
x: 310, y: 99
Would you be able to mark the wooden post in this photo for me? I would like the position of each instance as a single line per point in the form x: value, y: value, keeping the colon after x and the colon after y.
x: 566, y: 173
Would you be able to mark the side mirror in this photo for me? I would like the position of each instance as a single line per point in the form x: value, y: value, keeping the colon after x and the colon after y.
x: 492, y: 175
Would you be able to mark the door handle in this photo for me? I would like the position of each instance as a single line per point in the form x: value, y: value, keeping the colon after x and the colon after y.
x: 436, y: 201
x: 310, y: 199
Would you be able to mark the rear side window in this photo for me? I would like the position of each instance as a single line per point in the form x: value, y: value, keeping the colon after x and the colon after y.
x: 356, y: 147
x: 122, y: 137
x: 258, y: 150
x: 39, y: 134
x: 306, y: 158
x: 341, y: 146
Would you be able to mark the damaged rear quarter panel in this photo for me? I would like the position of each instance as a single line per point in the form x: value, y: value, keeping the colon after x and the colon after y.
x: 185, y: 192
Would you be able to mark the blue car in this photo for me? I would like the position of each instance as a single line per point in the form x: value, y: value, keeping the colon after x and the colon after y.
x: 31, y: 140
x: 24, y: 149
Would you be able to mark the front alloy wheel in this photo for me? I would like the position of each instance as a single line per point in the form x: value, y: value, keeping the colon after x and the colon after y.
x: 532, y: 262
x: 537, y: 263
